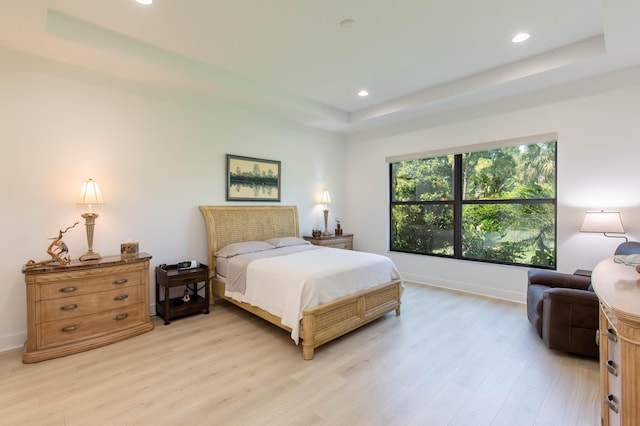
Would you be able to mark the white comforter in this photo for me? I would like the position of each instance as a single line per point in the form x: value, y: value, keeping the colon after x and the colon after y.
x: 289, y: 284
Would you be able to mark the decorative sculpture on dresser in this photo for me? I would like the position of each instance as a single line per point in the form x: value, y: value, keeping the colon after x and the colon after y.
x: 58, y: 251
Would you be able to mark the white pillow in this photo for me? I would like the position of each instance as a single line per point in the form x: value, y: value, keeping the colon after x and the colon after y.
x: 286, y: 242
x: 235, y: 249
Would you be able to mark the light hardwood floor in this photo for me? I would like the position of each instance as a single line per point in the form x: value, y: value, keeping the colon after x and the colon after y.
x: 448, y: 359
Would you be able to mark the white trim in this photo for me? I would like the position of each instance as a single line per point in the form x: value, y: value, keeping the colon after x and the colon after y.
x: 13, y: 341
x: 494, y: 293
x: 483, y: 146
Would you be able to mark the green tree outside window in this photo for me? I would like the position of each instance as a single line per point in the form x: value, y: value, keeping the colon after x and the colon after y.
x: 495, y: 206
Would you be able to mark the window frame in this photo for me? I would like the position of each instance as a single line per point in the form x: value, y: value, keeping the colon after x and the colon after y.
x: 458, y: 202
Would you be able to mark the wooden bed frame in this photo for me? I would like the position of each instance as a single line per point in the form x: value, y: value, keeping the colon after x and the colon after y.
x: 319, y: 325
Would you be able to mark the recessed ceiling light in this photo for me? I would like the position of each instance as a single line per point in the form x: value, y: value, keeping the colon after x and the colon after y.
x: 145, y: 2
x: 348, y: 23
x: 519, y: 38
x: 363, y: 93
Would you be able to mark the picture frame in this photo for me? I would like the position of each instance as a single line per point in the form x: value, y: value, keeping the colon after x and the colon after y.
x: 252, y: 179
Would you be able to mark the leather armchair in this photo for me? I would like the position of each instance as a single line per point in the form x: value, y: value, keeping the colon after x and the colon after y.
x: 564, y: 309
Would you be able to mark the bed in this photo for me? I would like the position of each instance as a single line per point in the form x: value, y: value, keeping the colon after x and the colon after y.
x: 318, y: 325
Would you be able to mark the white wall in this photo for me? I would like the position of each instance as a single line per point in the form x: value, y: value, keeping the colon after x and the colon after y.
x: 156, y: 158
x: 598, y: 129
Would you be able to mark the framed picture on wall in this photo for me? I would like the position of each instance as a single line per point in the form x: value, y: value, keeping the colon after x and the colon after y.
x: 252, y: 179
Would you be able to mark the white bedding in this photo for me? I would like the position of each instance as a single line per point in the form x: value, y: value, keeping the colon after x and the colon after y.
x: 289, y: 284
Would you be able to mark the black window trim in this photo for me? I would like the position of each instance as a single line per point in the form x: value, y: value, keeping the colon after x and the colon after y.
x: 458, y: 203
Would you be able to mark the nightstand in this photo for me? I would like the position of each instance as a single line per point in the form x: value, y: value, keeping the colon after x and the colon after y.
x: 193, y: 280
x: 344, y: 241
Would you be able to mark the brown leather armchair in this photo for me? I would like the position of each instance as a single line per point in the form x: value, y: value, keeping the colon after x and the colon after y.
x: 564, y: 309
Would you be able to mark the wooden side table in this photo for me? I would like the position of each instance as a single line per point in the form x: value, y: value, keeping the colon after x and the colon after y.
x: 194, y: 280
x: 344, y: 241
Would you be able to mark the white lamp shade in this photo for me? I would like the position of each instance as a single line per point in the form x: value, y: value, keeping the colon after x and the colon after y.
x: 90, y: 193
x: 326, y: 198
x: 602, y: 222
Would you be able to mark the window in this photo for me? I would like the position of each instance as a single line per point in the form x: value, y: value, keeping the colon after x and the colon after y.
x: 497, y: 205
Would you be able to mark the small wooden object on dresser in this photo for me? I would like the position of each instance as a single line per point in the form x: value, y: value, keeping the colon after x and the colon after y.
x: 85, y: 305
x: 170, y: 276
x: 344, y: 241
x: 618, y: 288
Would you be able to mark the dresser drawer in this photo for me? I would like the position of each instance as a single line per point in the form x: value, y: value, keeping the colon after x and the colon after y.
x: 92, y: 284
x: 75, y: 306
x: 65, y: 331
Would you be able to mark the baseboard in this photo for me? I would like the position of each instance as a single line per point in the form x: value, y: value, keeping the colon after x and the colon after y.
x: 512, y: 296
x: 14, y: 341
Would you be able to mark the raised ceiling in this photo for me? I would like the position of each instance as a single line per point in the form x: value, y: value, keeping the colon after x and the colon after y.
x: 292, y: 58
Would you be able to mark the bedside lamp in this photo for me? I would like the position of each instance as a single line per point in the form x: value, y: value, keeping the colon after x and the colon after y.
x: 326, y: 200
x: 90, y: 194
x: 603, y: 222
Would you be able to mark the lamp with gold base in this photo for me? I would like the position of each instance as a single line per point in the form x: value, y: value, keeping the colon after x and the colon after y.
x: 326, y: 200
x: 90, y: 194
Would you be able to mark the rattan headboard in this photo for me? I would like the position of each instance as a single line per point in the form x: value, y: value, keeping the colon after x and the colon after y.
x: 232, y: 224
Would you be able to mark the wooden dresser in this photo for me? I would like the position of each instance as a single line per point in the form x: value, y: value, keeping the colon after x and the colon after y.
x: 85, y: 305
x: 336, y: 241
x: 618, y: 288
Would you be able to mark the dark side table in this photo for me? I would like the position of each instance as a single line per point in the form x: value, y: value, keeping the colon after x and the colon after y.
x: 582, y: 272
x: 194, y: 280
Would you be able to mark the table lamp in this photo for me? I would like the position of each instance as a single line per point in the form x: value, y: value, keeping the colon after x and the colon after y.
x: 326, y: 200
x: 90, y: 194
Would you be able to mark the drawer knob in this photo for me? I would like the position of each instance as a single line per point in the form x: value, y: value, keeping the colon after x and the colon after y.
x: 611, y: 402
x: 68, y: 307
x: 68, y: 289
x: 70, y: 328
x: 121, y: 297
x: 611, y: 334
x: 611, y: 367
x: 120, y: 317
x: 121, y: 281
